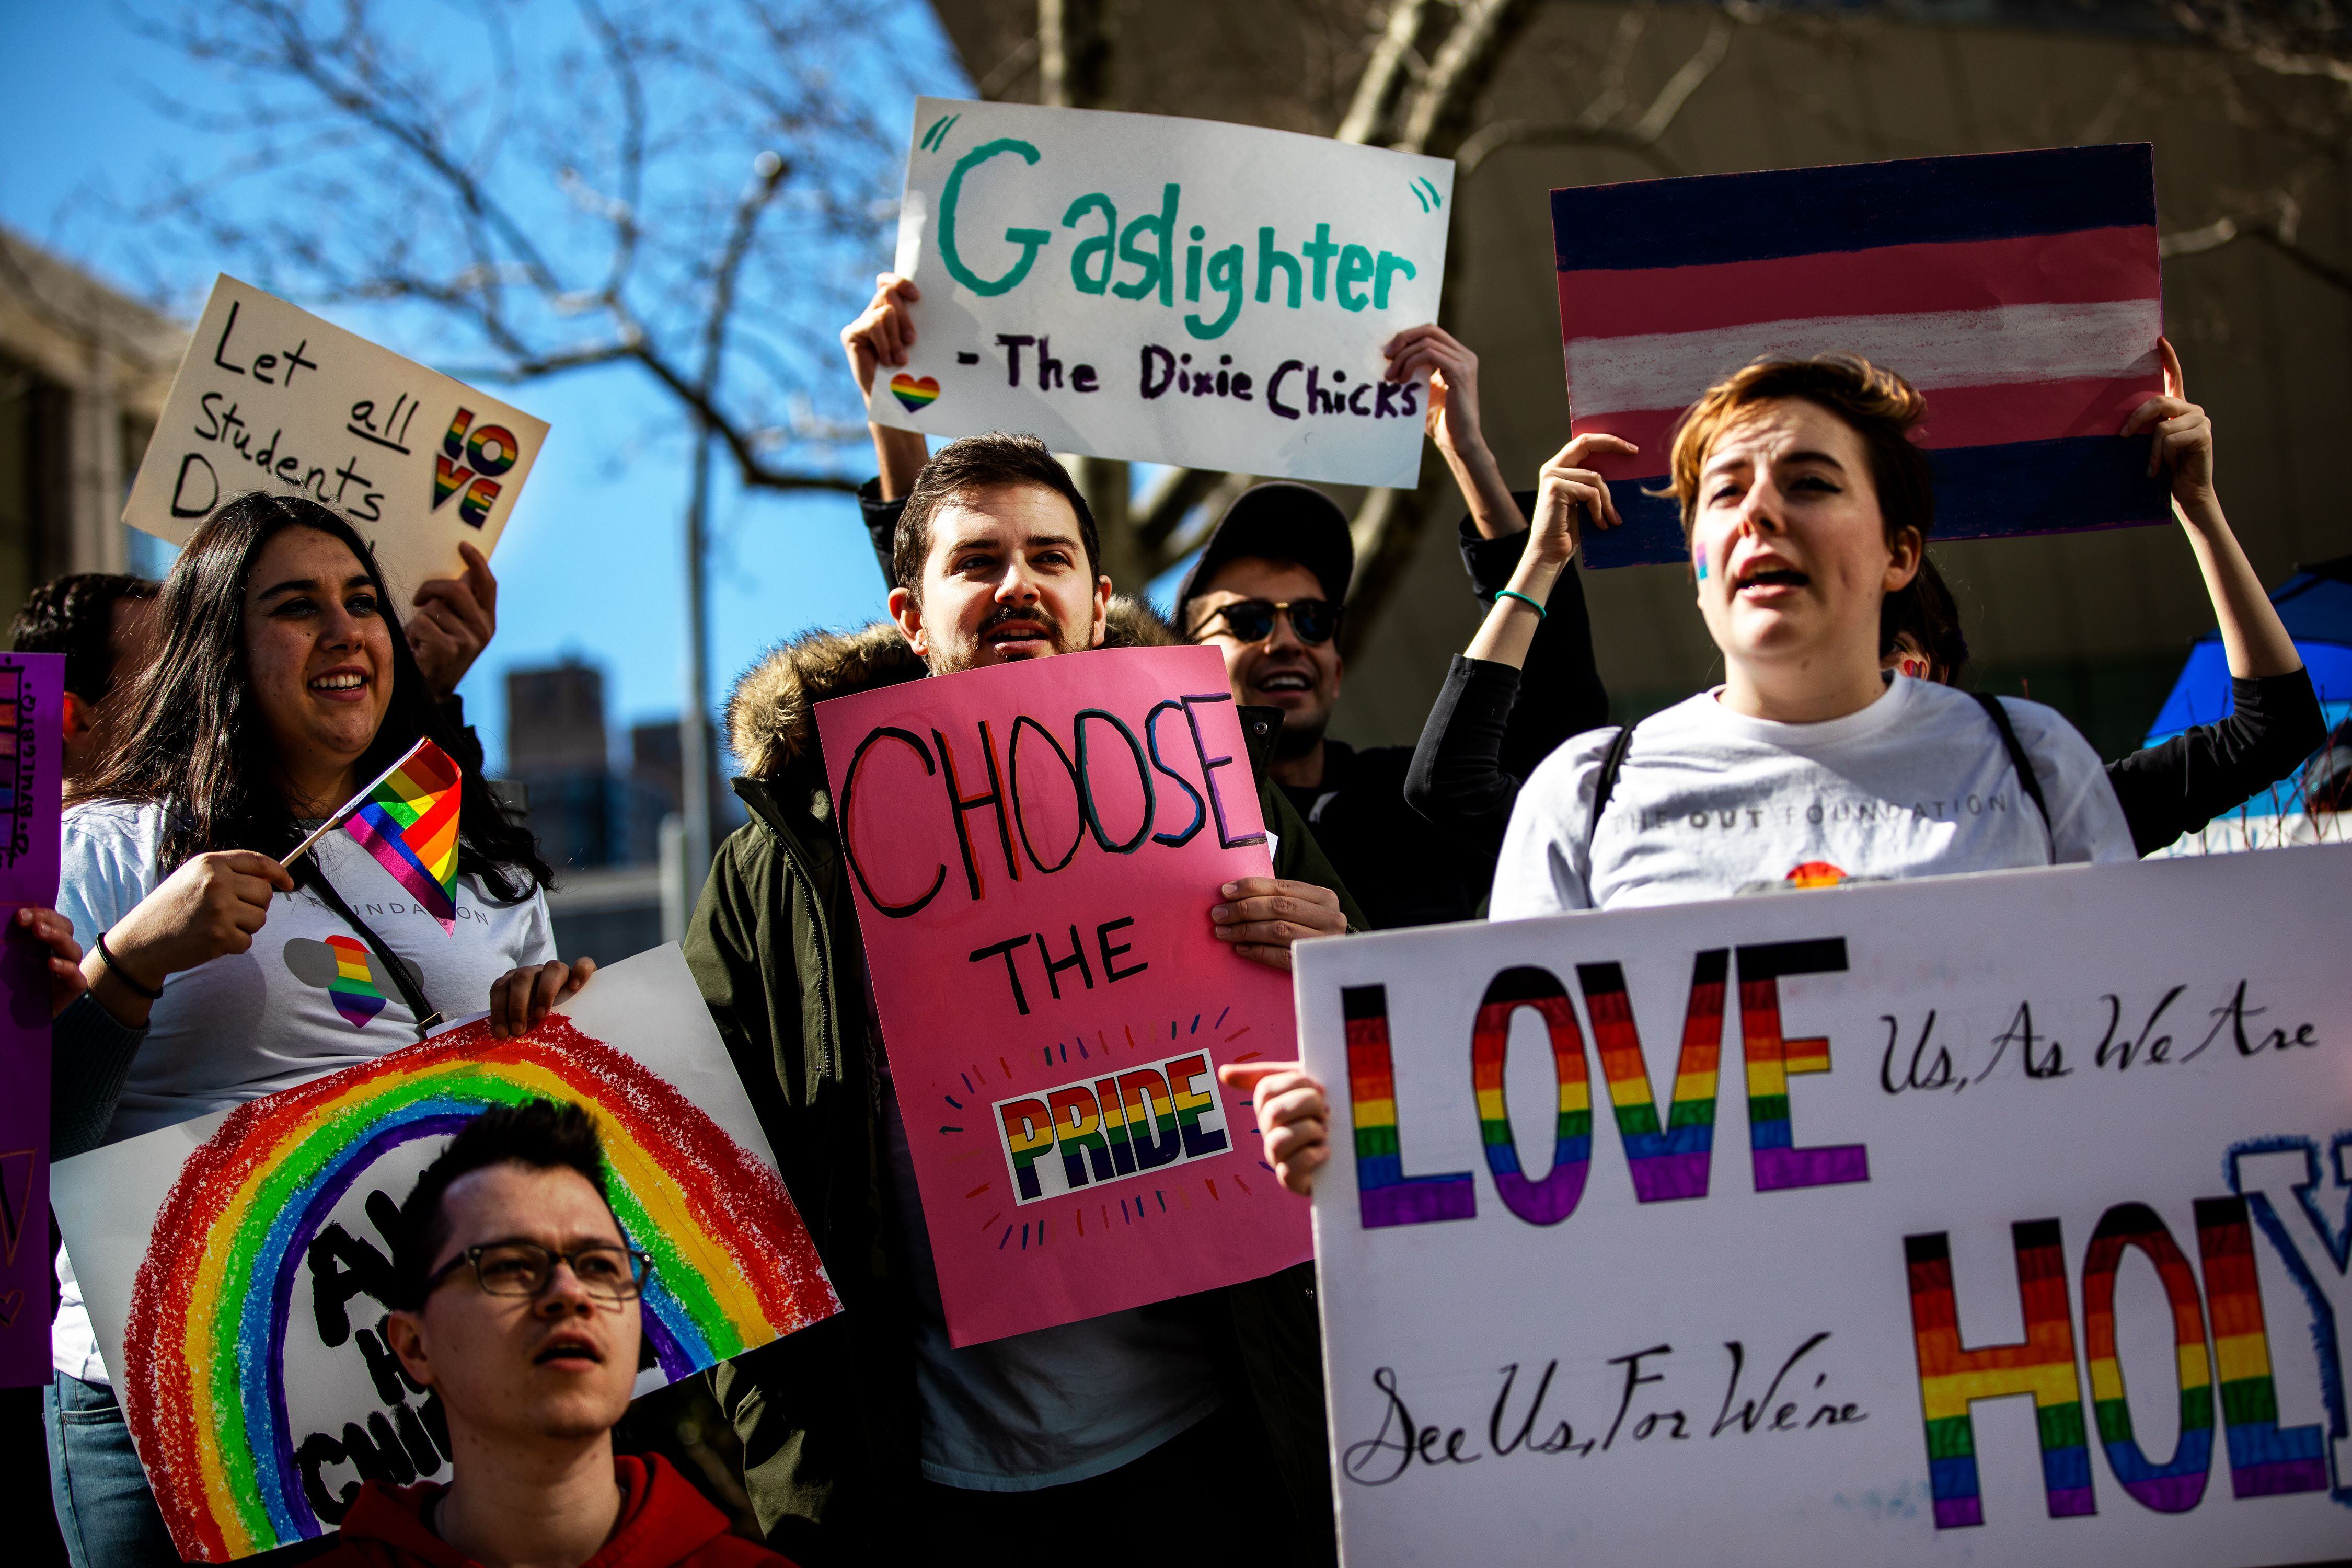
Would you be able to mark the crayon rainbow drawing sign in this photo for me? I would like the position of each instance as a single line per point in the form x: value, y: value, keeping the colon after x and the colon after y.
x: 2034, y: 1245
x: 248, y: 1325
x: 2019, y: 291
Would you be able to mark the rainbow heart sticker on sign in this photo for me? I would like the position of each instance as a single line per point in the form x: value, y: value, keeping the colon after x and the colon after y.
x: 915, y: 395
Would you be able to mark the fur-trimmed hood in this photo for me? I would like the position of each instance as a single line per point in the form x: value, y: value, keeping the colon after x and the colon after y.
x: 772, y: 716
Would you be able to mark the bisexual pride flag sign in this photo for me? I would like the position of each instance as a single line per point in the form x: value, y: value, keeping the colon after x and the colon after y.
x: 2019, y: 291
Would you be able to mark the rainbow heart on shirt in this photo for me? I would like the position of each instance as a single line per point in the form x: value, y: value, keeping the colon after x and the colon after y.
x: 915, y: 395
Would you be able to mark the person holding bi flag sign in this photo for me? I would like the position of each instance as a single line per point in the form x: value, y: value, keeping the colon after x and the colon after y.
x: 279, y: 872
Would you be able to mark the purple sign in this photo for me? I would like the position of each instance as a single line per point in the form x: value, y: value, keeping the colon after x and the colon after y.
x: 32, y: 694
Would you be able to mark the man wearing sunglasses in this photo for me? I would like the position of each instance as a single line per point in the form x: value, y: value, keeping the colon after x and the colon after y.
x: 519, y: 1308
x: 1268, y: 592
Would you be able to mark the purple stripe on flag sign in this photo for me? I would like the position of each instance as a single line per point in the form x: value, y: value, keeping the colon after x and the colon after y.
x: 29, y: 853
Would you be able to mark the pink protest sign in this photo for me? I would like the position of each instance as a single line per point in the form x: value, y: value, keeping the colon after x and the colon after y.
x: 32, y: 689
x: 1035, y: 848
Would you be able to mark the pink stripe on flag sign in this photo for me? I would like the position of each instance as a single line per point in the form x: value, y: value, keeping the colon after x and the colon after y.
x: 2019, y: 291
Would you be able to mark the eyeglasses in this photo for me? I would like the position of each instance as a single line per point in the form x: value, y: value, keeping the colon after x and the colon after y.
x: 1252, y: 620
x: 523, y: 1268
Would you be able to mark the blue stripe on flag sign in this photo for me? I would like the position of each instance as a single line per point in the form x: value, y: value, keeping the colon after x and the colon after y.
x: 1716, y: 218
x: 1981, y: 492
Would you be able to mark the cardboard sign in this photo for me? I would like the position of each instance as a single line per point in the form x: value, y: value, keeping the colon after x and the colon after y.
x: 1035, y: 847
x: 2019, y: 291
x: 235, y: 1265
x: 269, y: 397
x: 1170, y: 291
x: 1987, y: 1220
x: 32, y: 689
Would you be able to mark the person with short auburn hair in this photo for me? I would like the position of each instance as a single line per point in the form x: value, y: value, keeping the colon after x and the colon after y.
x: 1805, y: 507
x: 519, y: 1309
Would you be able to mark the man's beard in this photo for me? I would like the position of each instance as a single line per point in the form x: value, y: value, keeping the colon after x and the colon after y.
x: 966, y: 653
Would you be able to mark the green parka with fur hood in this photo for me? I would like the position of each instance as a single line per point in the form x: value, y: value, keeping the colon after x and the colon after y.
x: 829, y: 1419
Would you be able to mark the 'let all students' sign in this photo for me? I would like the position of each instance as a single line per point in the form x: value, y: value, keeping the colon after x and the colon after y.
x: 269, y: 397
x: 1994, y: 1220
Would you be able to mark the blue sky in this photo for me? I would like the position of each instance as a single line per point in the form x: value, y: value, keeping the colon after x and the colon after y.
x: 592, y: 564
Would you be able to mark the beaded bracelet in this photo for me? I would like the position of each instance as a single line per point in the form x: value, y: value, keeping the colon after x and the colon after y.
x: 1542, y: 614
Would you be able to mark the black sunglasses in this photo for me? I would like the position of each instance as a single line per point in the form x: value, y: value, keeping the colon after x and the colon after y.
x: 1252, y: 620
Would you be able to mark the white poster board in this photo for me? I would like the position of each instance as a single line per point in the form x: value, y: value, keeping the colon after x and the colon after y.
x: 2017, y: 1234
x: 270, y: 397
x: 235, y: 1266
x: 1168, y: 290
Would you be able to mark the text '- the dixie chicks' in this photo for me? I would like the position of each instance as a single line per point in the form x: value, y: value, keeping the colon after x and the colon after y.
x: 1292, y: 390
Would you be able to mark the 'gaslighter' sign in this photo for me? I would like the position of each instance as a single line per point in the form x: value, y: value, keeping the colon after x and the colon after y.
x: 1170, y: 291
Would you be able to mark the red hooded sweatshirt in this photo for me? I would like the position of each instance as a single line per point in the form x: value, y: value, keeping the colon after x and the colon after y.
x: 663, y: 1523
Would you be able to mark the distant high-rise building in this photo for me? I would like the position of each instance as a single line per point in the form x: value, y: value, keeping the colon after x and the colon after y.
x: 556, y: 745
x: 555, y: 719
x: 654, y: 791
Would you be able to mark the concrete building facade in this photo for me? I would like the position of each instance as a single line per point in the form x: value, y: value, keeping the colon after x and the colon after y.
x: 84, y: 371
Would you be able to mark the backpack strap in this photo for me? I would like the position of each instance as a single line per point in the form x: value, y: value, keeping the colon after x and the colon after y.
x: 428, y: 1019
x: 2021, y: 762
x: 1612, y: 763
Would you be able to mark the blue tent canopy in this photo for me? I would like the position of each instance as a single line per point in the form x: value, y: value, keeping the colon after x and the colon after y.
x: 2317, y: 606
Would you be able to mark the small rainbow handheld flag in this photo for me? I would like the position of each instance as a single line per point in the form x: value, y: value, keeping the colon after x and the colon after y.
x: 408, y: 820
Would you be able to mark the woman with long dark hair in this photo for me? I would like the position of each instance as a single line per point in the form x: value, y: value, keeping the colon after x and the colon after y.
x: 281, y: 687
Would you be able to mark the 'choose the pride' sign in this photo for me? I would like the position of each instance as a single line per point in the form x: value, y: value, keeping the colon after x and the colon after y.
x: 1170, y: 290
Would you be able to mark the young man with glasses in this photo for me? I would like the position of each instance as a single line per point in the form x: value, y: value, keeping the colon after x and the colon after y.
x: 520, y: 1308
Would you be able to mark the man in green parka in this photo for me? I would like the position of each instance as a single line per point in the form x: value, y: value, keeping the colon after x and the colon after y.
x: 1184, y: 1432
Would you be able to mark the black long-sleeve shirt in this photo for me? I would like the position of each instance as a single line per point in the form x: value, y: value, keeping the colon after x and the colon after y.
x: 1464, y: 772
x: 1404, y: 865
x: 2177, y: 787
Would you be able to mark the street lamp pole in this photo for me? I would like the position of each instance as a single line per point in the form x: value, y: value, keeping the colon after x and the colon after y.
x: 694, y: 759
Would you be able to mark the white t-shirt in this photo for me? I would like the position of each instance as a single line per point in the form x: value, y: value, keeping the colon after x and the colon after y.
x: 305, y: 999
x: 1709, y: 803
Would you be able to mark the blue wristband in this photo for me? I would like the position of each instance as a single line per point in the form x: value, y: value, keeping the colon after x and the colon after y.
x: 1502, y: 594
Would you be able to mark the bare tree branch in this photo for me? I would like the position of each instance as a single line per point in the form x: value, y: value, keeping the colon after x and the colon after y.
x: 1388, y: 74
x: 509, y: 199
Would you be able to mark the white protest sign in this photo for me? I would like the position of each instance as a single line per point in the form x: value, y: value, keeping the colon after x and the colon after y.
x: 2024, y: 1240
x: 1169, y: 290
x: 237, y: 1267
x: 269, y: 397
